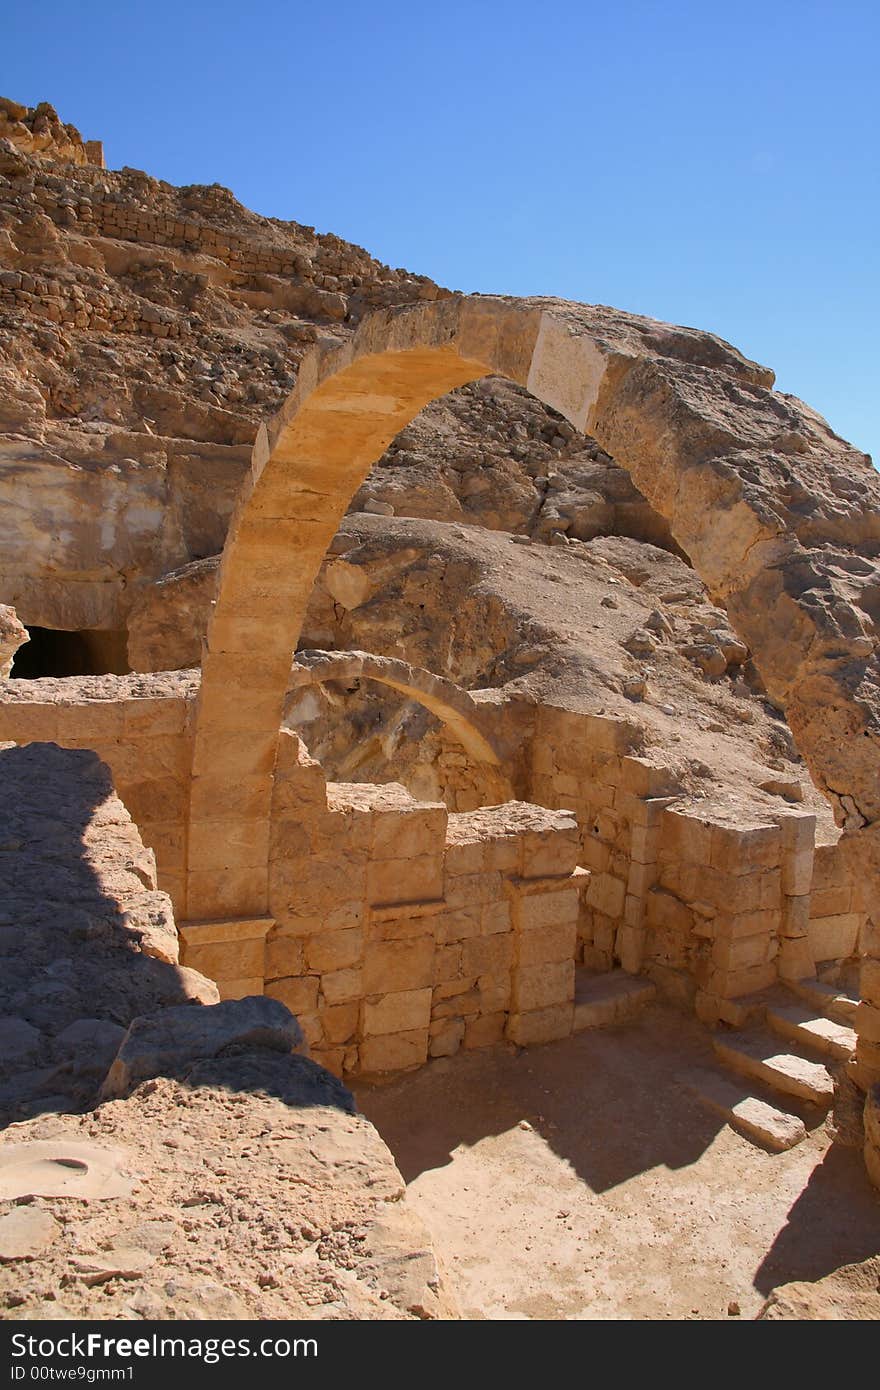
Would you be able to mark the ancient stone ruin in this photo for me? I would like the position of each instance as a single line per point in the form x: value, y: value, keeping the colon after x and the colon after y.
x: 438, y: 673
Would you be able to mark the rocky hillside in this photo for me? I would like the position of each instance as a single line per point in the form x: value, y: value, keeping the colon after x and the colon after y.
x: 145, y: 330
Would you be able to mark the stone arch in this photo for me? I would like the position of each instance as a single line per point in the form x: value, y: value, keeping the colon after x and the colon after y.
x: 703, y: 436
x: 452, y: 705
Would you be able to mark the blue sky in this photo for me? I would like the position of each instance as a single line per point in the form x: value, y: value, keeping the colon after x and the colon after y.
x: 711, y: 164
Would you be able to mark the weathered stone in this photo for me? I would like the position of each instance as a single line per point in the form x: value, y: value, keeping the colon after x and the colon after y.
x: 167, y: 1043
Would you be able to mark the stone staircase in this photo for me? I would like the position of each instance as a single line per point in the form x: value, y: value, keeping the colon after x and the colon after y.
x: 606, y: 997
x: 776, y: 1080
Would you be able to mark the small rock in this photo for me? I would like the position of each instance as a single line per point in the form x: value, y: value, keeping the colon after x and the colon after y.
x: 123, y: 1263
x: 733, y: 1309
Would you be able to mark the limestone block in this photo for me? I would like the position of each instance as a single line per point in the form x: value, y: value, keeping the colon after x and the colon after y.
x: 495, y: 992
x: 867, y: 1022
x: 869, y: 981
x: 484, y: 955
x: 495, y: 918
x: 447, y: 963
x: 745, y: 851
x: 743, y: 924
x: 394, y: 1052
x: 834, y: 938
x: 405, y: 880
x: 795, y: 919
x: 299, y: 994
x: 741, y: 953
x: 485, y: 1030
x: 334, y: 950
x: 554, y: 942
x: 446, y: 1037
x: 469, y: 890
x: 550, y: 853
x: 665, y: 910
x: 503, y: 855
x: 545, y: 909
x: 342, y: 986
x: 606, y: 894
x: 595, y: 854
x: 227, y: 960
x: 398, y: 965
x: 333, y: 1058
x: 466, y: 858
x: 464, y: 1003
x: 459, y: 925
x: 640, y: 879
x: 541, y: 1025
x: 630, y: 948
x: 340, y: 1023
x: 538, y: 986
x: 400, y: 1012
x: 795, y: 959
x: 831, y: 902
x: 797, y: 871
x: 410, y: 834
x: 684, y: 837
x: 731, y: 984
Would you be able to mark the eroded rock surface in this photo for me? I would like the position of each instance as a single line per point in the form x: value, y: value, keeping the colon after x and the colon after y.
x: 253, y: 1190
x: 88, y: 942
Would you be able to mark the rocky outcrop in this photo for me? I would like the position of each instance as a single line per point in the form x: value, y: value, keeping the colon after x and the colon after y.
x: 848, y: 1294
x: 13, y: 635
x: 38, y: 130
x: 247, y: 1189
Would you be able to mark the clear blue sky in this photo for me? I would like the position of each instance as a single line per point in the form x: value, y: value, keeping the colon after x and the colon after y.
x: 710, y: 163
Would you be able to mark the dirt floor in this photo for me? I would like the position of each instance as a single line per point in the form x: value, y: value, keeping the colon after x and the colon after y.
x: 581, y: 1180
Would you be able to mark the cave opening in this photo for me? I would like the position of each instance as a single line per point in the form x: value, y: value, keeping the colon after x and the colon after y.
x: 56, y: 652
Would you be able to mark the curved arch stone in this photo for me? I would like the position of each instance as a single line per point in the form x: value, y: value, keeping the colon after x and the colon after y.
x: 780, y: 517
x: 452, y: 705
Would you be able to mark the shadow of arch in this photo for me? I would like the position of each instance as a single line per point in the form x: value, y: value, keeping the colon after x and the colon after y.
x: 671, y: 405
x: 453, y: 706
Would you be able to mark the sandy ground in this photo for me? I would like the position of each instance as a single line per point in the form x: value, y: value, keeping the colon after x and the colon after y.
x: 580, y: 1181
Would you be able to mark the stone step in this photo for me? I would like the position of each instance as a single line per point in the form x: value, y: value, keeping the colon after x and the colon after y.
x: 608, y: 997
x: 761, y: 1057
x: 747, y: 1113
x: 822, y: 1034
x: 826, y: 999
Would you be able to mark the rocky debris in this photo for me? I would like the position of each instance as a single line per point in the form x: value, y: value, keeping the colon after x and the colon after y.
x: 491, y: 455
x: 848, y: 1294
x: 252, y: 1190
x: 169, y: 1041
x: 38, y: 130
x: 86, y: 946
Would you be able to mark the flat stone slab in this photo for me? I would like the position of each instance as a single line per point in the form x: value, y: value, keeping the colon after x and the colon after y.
x: 63, y: 1168
x: 824, y: 1034
x: 25, y: 1232
x: 608, y: 997
x: 764, y: 1058
x: 753, y: 1117
x: 826, y: 999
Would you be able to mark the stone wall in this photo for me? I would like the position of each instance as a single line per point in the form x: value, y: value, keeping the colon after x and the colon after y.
x: 139, y: 726
x: 398, y: 931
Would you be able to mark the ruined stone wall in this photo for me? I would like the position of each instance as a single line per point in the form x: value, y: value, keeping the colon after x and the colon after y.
x: 139, y: 726
x: 397, y: 931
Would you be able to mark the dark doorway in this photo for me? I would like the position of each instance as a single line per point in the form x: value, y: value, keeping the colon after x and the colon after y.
x: 52, y: 652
